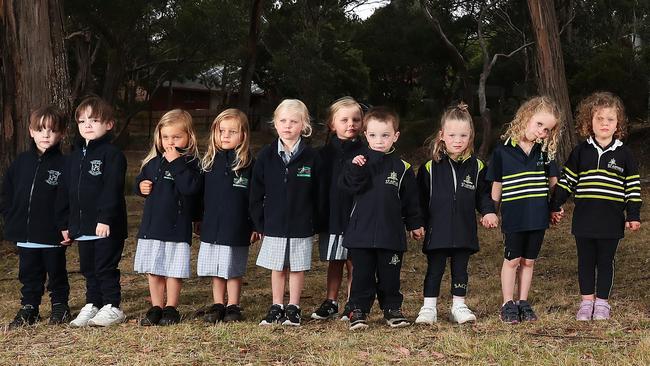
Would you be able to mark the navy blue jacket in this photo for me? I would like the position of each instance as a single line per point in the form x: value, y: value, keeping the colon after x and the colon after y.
x: 29, y: 192
x: 94, y: 189
x: 226, y: 217
x: 385, y: 199
x: 335, y: 203
x: 173, y: 201
x: 450, y: 192
x: 283, y: 201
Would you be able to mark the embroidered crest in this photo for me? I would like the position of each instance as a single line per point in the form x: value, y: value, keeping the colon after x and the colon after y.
x: 53, y: 178
x: 467, y: 183
x: 241, y: 182
x: 95, y: 167
x: 304, y: 171
x: 612, y: 165
x: 540, y: 161
x: 168, y: 175
x: 394, y: 260
x: 392, y: 179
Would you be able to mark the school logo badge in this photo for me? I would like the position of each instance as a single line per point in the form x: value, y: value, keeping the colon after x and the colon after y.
x: 467, y: 183
x: 168, y: 175
x: 53, y: 178
x: 392, y: 179
x: 241, y: 182
x: 95, y: 167
x: 394, y: 260
x: 304, y: 171
x: 540, y: 161
x: 612, y: 165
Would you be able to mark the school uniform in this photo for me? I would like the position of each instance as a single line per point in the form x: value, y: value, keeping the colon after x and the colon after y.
x: 450, y: 193
x: 385, y: 201
x: 283, y: 205
x: 165, y: 233
x: 94, y: 193
x: 227, y: 227
x: 524, y: 197
x: 606, y: 185
x: 335, y: 204
x: 29, y: 193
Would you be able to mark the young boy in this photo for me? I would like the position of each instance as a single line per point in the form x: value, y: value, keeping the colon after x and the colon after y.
x: 28, y: 207
x: 97, y: 212
x: 385, y: 200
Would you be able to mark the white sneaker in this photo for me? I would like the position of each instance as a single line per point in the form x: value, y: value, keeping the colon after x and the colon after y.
x: 461, y: 314
x: 85, y: 314
x: 107, y: 315
x: 427, y: 316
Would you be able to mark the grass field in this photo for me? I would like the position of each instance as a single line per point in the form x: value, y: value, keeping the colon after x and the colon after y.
x: 556, y: 339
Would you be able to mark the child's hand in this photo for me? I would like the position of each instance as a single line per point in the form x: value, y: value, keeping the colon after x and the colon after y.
x: 171, y: 153
x: 255, y: 237
x: 490, y: 221
x: 196, y: 227
x: 66, y: 238
x: 359, y: 160
x: 417, y: 234
x: 556, y: 217
x: 632, y: 225
x: 102, y: 230
x: 145, y: 187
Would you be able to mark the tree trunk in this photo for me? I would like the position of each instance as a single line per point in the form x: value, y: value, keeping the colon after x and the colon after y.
x: 34, y: 68
x: 551, y: 79
x: 251, y: 56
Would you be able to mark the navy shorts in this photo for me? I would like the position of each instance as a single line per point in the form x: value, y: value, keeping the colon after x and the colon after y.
x: 523, y: 244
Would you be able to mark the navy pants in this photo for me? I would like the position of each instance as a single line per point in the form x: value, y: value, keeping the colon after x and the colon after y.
x: 34, y: 267
x: 596, y: 265
x: 98, y: 260
x: 436, y: 261
x: 375, y: 272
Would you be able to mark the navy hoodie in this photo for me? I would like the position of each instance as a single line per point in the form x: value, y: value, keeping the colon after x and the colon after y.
x: 173, y: 201
x: 226, y: 217
x: 385, y: 200
x: 29, y: 192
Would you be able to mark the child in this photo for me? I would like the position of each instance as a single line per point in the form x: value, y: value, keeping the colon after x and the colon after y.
x: 94, y: 181
x: 452, y: 185
x: 385, y: 200
x: 523, y: 172
x: 227, y: 231
x: 170, y: 181
x: 604, y: 176
x: 29, y: 193
x: 345, y: 121
x: 283, y: 208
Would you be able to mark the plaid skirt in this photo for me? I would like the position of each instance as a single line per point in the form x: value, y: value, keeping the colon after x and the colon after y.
x: 279, y: 253
x: 331, y: 247
x: 162, y: 258
x: 221, y: 261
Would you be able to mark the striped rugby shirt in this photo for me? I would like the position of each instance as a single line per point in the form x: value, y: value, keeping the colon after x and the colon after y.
x: 606, y: 183
x: 525, y: 185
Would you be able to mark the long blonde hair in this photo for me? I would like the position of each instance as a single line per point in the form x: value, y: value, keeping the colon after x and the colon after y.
x: 173, y: 117
x: 517, y: 127
x: 435, y: 144
x: 242, y: 153
x: 297, y: 106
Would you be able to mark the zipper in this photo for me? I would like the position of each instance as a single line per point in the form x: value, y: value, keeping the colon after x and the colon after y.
x: 31, y: 192
x: 83, y: 159
x: 453, y: 205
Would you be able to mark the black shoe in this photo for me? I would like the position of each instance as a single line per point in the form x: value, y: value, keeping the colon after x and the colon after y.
x: 233, y: 314
x: 395, y: 319
x: 327, y: 310
x: 358, y: 320
x: 27, y: 315
x: 291, y: 316
x: 526, y: 312
x: 60, y: 314
x: 153, y: 316
x: 214, y: 314
x: 170, y: 316
x: 347, y: 309
x: 509, y: 313
x: 273, y: 316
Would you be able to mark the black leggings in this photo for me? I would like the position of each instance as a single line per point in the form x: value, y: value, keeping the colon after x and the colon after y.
x: 596, y: 260
x: 436, y: 261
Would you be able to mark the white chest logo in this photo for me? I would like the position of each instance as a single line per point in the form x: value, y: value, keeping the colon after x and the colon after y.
x: 53, y: 178
x: 168, y: 175
x: 612, y: 165
x: 392, y: 179
x: 95, y: 167
x: 467, y: 183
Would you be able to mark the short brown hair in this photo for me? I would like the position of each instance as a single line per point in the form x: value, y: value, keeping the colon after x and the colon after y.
x: 591, y: 104
x: 100, y: 109
x: 382, y: 114
x: 49, y: 116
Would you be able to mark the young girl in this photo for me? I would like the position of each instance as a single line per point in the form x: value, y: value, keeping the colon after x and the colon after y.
x: 452, y: 185
x: 335, y: 205
x: 227, y: 231
x: 604, y: 176
x: 169, y: 180
x: 283, y: 205
x: 523, y: 173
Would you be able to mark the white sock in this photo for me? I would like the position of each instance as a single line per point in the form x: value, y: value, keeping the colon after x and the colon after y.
x: 430, y: 302
x: 457, y: 300
x: 280, y: 305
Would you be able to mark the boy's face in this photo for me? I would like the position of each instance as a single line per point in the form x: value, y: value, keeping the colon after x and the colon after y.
x: 92, y: 128
x: 604, y: 123
x: 45, y: 138
x: 380, y: 135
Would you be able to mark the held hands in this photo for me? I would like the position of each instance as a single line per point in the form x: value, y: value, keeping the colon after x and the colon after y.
x: 359, y: 160
x: 632, y: 225
x: 66, y: 238
x: 255, y: 237
x: 417, y: 234
x: 490, y: 221
x: 145, y: 187
x: 556, y: 217
x: 102, y: 230
x: 171, y: 153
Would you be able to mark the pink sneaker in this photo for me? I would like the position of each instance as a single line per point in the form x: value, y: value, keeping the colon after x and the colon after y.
x: 585, y: 310
x: 601, y: 310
